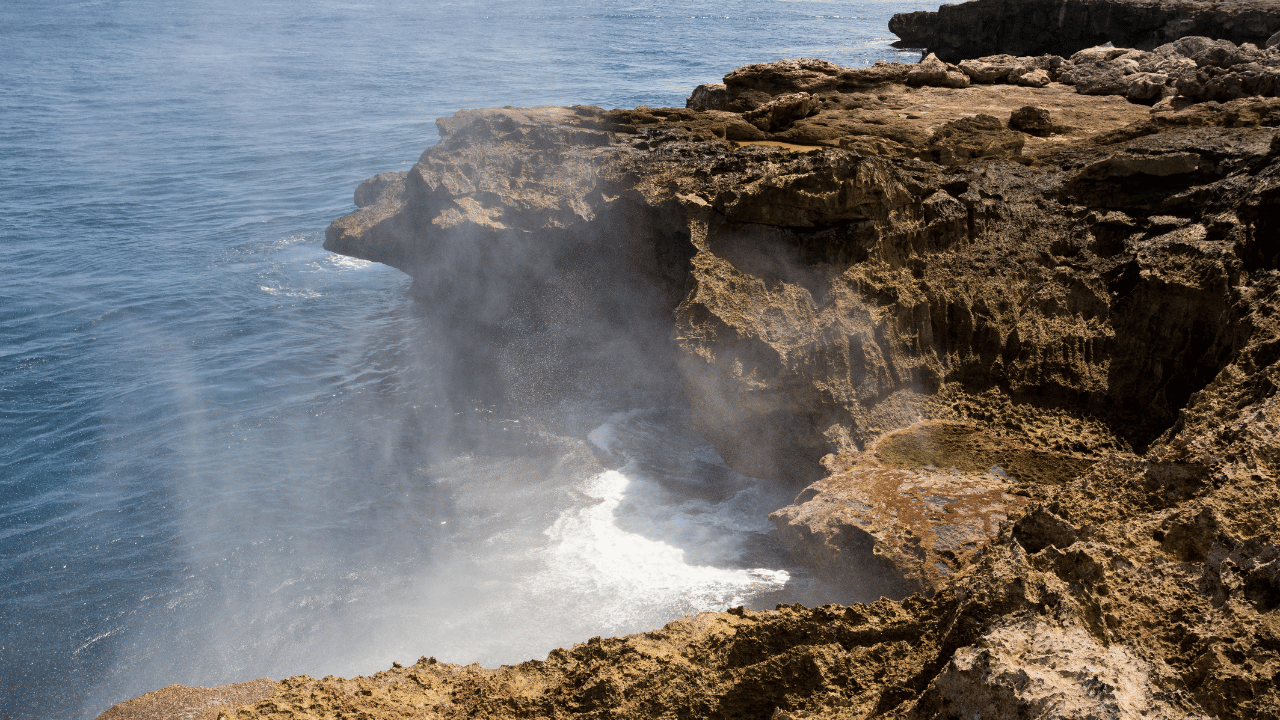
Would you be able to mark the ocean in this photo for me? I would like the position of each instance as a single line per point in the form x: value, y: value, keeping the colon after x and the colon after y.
x: 226, y: 453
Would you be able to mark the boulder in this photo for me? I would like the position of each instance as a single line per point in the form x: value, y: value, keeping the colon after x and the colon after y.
x: 1122, y: 165
x: 879, y: 73
x: 784, y: 76
x: 897, y: 530
x: 1032, y: 120
x: 1144, y: 87
x: 708, y: 96
x: 780, y: 112
x: 934, y: 72
x: 1034, y: 78
x: 989, y: 70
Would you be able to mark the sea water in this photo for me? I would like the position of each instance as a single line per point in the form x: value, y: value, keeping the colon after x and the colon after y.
x: 226, y: 453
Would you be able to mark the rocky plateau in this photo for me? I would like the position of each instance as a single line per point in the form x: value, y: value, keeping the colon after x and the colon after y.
x: 1010, y: 326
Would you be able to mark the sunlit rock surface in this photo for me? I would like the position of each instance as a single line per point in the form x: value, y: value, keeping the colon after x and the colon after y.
x: 1041, y: 361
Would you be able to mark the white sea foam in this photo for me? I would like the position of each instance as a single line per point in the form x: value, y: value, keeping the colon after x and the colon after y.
x: 635, y: 547
x: 342, y: 262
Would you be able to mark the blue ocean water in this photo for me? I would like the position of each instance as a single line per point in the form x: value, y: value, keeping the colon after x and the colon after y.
x: 224, y: 452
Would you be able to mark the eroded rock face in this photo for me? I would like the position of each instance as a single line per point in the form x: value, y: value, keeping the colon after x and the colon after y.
x: 1061, y: 27
x: 1039, y: 668
x: 894, y: 532
x: 1038, y: 351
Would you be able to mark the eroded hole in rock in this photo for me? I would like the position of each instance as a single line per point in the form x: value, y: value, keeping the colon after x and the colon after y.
x: 969, y: 449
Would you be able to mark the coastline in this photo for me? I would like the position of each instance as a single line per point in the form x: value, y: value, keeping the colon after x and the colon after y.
x: 1092, y: 283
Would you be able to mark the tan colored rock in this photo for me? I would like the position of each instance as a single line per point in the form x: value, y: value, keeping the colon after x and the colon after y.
x: 932, y: 71
x: 1042, y: 669
x: 191, y: 703
x: 709, y: 96
x: 878, y: 530
x: 1034, y: 78
x: 780, y: 112
x: 1127, y: 164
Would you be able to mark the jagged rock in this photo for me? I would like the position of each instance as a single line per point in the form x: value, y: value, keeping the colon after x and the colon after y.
x: 877, y: 74
x: 1034, y: 78
x: 1033, y: 120
x: 785, y: 76
x: 1061, y: 27
x: 1044, y: 669
x: 932, y: 71
x: 1147, y: 87
x: 982, y: 136
x: 1099, y: 312
x: 383, y: 187
x: 709, y: 96
x: 1097, y: 79
x: 989, y: 70
x: 1123, y: 165
x: 780, y: 112
x: 872, y: 526
x: 1026, y: 71
x: 1221, y: 84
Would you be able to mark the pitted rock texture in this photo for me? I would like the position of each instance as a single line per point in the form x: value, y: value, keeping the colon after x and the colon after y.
x: 1099, y: 310
x: 1061, y: 27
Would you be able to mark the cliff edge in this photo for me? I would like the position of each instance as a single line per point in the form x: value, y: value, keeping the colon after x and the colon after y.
x: 1011, y: 328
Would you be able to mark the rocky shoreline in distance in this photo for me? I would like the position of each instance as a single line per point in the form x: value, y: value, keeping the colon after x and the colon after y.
x: 1010, y: 326
x: 1061, y: 27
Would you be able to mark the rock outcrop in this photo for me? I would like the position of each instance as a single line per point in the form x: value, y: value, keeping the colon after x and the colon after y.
x: 1061, y: 27
x: 1017, y: 347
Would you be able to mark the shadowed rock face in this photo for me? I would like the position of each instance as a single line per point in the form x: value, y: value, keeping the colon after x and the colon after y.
x: 1061, y: 27
x: 1028, y: 374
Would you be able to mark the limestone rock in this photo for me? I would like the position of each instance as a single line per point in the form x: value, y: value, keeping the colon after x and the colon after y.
x: 785, y: 76
x: 1032, y: 120
x: 1098, y: 308
x: 982, y: 136
x: 709, y: 96
x: 989, y: 70
x: 383, y: 187
x: 894, y: 530
x: 1034, y: 27
x: 1123, y: 165
x: 1034, y: 78
x: 1042, y: 669
x: 780, y: 112
x: 932, y: 71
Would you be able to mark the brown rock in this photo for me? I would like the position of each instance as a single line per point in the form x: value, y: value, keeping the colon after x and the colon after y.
x: 982, y: 136
x: 709, y: 96
x: 932, y: 71
x: 1032, y: 120
x: 1099, y: 312
x: 196, y: 703
x: 780, y: 112
x: 892, y: 531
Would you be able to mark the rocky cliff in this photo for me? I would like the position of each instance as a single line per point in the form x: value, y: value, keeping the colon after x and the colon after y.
x: 1061, y: 27
x: 1017, y: 347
